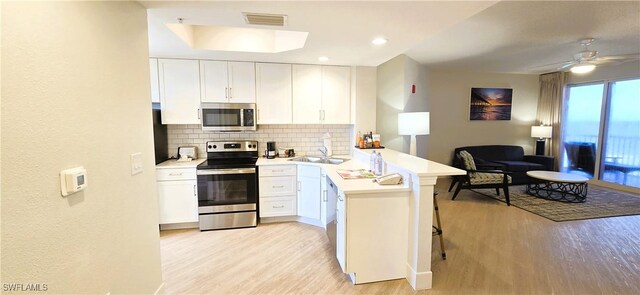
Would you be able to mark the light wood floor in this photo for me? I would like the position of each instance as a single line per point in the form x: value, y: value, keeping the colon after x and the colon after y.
x: 491, y: 249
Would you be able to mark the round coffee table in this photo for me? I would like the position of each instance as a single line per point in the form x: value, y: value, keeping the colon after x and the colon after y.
x: 558, y: 186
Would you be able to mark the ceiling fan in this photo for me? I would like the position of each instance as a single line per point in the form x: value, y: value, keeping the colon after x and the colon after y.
x: 586, y: 60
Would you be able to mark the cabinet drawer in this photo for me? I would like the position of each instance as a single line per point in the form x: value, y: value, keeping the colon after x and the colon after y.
x: 176, y: 174
x: 277, y: 186
x: 278, y: 170
x: 278, y: 206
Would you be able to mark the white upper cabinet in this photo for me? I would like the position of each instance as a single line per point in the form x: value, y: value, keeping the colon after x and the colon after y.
x: 307, y: 94
x: 214, y: 81
x: 336, y: 93
x: 273, y: 93
x: 232, y: 82
x: 321, y: 94
x: 242, y: 82
x: 155, y: 84
x: 179, y: 91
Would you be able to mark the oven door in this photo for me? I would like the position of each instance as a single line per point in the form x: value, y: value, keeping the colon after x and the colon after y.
x: 228, y: 117
x: 227, y: 190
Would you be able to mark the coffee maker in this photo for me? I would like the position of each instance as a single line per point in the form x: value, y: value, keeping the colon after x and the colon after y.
x: 272, y: 151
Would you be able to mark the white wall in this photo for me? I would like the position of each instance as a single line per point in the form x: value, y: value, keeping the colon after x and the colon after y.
x: 390, y: 101
x: 416, y: 74
x: 608, y: 72
x: 449, y: 93
x: 76, y: 93
x: 394, y: 96
x: 364, y: 114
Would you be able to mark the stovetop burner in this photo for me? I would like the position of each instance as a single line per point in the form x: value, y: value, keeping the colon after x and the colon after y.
x: 230, y: 154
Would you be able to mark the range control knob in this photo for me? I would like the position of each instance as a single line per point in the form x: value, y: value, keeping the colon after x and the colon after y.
x: 215, y: 146
x: 209, y: 146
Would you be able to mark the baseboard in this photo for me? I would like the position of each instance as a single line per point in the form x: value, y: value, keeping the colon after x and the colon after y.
x: 179, y: 225
x: 305, y: 220
x: 419, y: 281
x: 160, y: 289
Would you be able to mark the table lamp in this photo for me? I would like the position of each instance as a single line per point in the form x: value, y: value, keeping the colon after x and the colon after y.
x: 542, y: 133
x: 413, y: 123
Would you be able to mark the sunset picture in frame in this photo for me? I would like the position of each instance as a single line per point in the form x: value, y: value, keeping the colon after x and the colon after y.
x: 488, y: 104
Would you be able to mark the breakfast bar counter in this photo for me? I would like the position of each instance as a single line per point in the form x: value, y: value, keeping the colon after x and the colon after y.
x: 383, y: 231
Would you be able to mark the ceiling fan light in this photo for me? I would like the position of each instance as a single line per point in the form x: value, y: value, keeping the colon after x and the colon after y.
x: 582, y: 69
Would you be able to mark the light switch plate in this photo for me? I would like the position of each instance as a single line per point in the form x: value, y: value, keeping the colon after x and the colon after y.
x: 136, y: 163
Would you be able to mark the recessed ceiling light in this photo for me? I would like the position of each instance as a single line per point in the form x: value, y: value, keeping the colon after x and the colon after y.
x: 379, y: 41
x: 583, y: 69
x: 323, y: 58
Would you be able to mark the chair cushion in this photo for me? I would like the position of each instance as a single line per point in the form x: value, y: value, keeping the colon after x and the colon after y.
x: 521, y: 166
x: 467, y: 160
x: 487, y: 178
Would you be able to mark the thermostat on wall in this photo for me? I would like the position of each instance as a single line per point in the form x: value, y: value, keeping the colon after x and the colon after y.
x: 73, y: 180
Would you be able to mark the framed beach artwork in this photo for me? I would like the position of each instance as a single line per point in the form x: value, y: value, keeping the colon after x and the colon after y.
x: 488, y: 104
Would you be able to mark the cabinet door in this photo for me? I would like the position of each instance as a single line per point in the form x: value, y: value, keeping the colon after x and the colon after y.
x: 153, y: 76
x: 214, y: 81
x: 336, y: 95
x: 178, y: 201
x: 307, y: 89
x: 341, y: 232
x: 242, y: 82
x: 324, y: 195
x: 309, y: 193
x: 179, y: 91
x: 273, y: 93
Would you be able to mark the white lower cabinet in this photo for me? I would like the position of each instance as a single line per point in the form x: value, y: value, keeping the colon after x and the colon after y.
x: 177, y: 195
x: 277, y: 186
x: 341, y: 232
x: 309, y: 192
x: 278, y: 206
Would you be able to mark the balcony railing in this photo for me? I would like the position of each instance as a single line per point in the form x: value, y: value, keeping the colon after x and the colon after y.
x: 621, y: 158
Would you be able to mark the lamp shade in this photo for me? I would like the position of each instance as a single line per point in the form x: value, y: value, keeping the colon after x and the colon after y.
x: 413, y: 123
x: 541, y: 131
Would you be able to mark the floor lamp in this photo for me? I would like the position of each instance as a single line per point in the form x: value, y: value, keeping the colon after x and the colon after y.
x: 542, y: 133
x: 413, y: 123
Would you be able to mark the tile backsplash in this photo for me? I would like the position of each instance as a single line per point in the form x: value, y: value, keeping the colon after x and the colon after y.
x: 305, y: 139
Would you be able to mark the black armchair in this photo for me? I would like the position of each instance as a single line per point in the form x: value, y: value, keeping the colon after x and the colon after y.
x: 481, y: 178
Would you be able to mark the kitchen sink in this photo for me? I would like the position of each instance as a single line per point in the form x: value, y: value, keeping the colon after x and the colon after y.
x: 319, y: 160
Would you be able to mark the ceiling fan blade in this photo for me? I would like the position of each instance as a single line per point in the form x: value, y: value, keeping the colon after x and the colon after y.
x: 567, y: 65
x: 552, y: 66
x: 621, y: 57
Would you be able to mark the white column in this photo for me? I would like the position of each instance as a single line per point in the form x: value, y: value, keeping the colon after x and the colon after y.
x: 420, y: 222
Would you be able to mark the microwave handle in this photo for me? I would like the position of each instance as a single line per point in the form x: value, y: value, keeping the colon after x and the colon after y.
x: 241, y: 117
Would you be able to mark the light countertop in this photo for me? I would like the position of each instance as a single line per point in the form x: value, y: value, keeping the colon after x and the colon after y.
x: 348, y: 186
x: 412, y: 164
x: 175, y: 164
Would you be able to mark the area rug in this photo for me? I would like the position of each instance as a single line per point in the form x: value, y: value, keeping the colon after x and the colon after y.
x: 600, y: 203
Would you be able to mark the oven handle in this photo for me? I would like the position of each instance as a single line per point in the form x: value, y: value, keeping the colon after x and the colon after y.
x: 226, y: 171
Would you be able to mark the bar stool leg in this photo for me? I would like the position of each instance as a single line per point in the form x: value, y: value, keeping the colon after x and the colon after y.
x: 438, y: 229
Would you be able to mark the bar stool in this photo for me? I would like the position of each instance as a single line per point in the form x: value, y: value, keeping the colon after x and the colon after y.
x: 437, y: 229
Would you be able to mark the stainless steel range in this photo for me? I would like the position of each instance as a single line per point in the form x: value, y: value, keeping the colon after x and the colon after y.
x: 228, y: 185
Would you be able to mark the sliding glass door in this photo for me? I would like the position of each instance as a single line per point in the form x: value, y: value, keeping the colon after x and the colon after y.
x: 582, y: 128
x: 601, y: 131
x: 621, y: 158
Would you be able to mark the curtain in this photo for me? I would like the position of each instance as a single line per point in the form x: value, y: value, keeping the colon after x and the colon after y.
x: 550, y: 105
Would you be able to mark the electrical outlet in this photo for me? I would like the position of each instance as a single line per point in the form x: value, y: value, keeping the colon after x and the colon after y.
x: 136, y: 163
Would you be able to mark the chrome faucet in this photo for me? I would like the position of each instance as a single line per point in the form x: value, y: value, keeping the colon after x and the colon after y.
x: 324, y: 151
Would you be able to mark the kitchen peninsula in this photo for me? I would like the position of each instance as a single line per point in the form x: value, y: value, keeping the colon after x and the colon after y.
x: 383, y: 232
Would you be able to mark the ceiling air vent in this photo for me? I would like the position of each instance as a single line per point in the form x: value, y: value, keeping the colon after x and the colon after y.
x: 265, y: 19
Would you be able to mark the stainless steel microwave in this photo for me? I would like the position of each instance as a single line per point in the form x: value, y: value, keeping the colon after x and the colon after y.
x: 228, y: 116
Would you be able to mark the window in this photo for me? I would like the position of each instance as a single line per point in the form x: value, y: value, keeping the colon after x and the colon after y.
x: 603, y: 117
x: 621, y: 160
